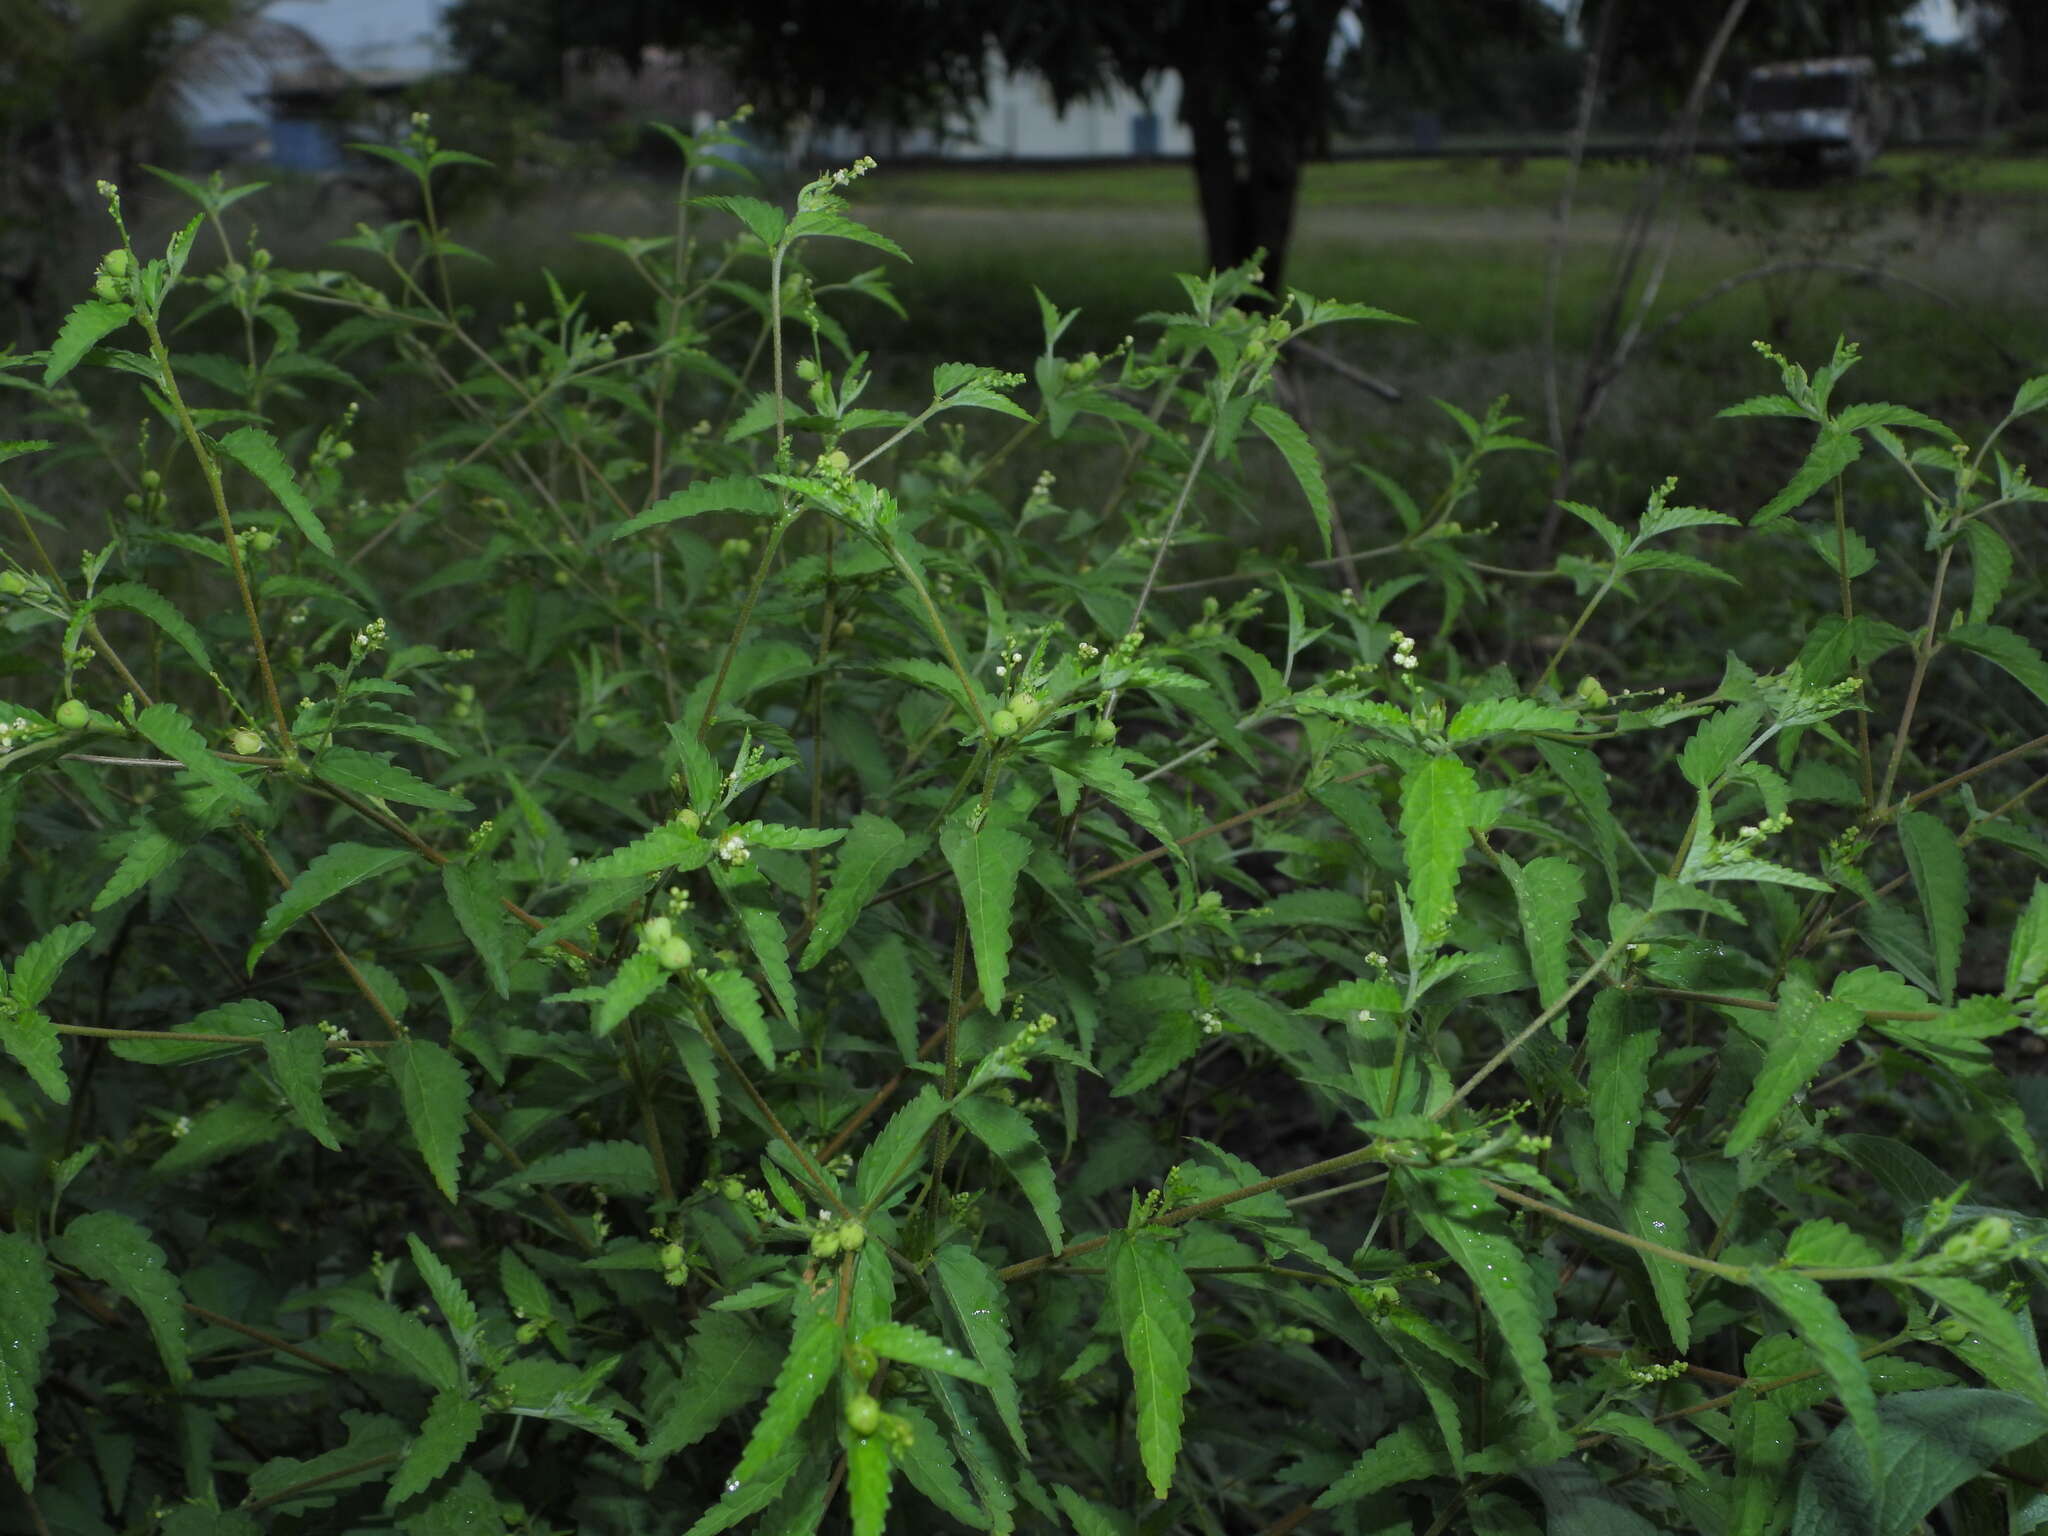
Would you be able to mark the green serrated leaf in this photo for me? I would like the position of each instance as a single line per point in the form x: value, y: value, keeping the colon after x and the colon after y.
x: 868, y: 1471
x: 2013, y: 653
x: 31, y: 1038
x: 477, y: 897
x: 326, y: 876
x: 981, y: 1308
x: 1014, y: 1142
x: 2005, y: 1343
x: 807, y: 1370
x: 452, y: 1422
x: 28, y: 1305
x: 2026, y: 957
x: 1764, y: 1443
x: 146, y: 853
x: 1820, y: 1327
x: 670, y: 846
x: 1942, y: 884
x: 765, y: 221
x: 739, y: 1004
x: 929, y: 1465
x: 913, y: 1346
x: 257, y: 451
x: 732, y: 493
x: 621, y: 1167
x: 727, y: 1364
x: 1500, y: 717
x: 1810, y: 1029
x: 1439, y: 803
x: 434, y: 1092
x: 1653, y: 1209
x: 1404, y: 1455
x: 116, y: 1251
x: 165, y: 727
x: 374, y: 773
x: 1464, y: 1218
x: 986, y: 861
x: 159, y: 610
x: 449, y: 1295
x: 414, y: 1346
x: 1153, y: 1301
x: 81, y: 332
x: 1652, y: 1437
x: 875, y: 849
x: 298, y: 1061
x: 1548, y: 892
x: 1717, y: 743
x: 771, y: 951
x: 899, y: 1148
x: 286, y: 1485
x: 1929, y: 1444
x: 639, y: 976
x: 1621, y: 1042
x: 1285, y: 433
x: 1834, y: 452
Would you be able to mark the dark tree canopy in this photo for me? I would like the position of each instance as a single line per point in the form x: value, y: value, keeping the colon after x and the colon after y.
x: 1256, y: 77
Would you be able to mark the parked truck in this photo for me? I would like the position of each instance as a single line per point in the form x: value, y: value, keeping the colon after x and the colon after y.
x: 1816, y: 116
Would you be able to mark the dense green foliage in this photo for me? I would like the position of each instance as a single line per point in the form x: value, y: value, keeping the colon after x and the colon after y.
x: 715, y: 952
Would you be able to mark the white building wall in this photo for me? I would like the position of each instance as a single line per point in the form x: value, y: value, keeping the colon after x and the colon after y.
x: 1019, y: 121
x: 362, y: 36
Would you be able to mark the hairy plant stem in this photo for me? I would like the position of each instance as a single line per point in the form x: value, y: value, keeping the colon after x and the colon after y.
x: 1506, y: 1053
x: 1848, y: 622
x: 821, y: 1182
x: 210, y: 468
x: 1923, y: 652
x: 1186, y: 1213
x: 197, y: 1037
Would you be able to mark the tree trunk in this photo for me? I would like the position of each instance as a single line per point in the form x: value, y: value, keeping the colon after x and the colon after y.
x: 1255, y: 89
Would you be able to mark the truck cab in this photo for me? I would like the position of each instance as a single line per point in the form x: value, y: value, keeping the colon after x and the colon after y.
x: 1818, y: 116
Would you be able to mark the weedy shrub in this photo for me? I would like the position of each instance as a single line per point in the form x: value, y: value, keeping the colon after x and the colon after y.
x: 708, y: 952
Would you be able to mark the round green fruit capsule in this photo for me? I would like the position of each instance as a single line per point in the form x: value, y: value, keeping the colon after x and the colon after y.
x: 1002, y: 723
x: 246, y: 743
x: 1105, y: 732
x: 864, y: 1415
x: 865, y: 1362
x: 674, y: 953
x: 1025, y: 706
x: 852, y: 1237
x: 115, y: 263
x: 151, y: 480
x: 73, y: 715
x: 13, y: 583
